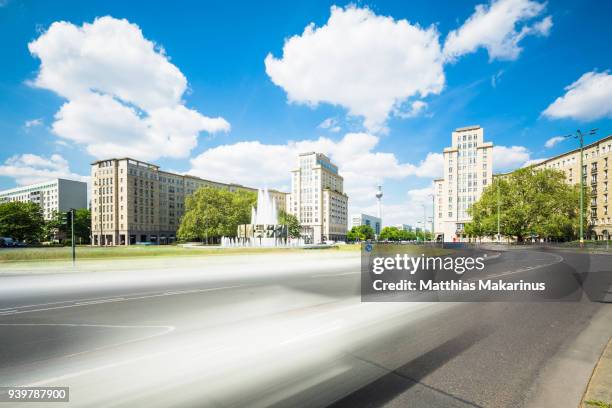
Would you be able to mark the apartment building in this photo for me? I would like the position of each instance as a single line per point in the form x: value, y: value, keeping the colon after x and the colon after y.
x: 365, y: 219
x: 597, y: 174
x: 468, y: 170
x: 317, y: 198
x: 134, y: 201
x: 57, y: 195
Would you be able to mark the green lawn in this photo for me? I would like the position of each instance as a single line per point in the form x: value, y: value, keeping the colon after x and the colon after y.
x: 87, y: 252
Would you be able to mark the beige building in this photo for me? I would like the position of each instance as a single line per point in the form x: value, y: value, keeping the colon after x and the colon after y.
x: 133, y: 201
x: 468, y: 170
x: 597, y: 166
x: 317, y: 198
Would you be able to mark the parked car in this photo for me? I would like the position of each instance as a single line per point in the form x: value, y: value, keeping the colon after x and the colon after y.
x: 6, y: 242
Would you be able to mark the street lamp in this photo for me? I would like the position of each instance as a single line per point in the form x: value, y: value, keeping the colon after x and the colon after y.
x: 498, y: 213
x: 433, y: 215
x: 424, y: 220
x: 580, y: 137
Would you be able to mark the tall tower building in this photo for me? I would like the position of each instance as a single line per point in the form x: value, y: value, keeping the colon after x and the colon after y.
x: 468, y: 170
x: 379, y: 195
x: 318, y: 199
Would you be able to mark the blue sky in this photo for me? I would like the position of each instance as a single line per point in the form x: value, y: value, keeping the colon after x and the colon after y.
x: 233, y: 92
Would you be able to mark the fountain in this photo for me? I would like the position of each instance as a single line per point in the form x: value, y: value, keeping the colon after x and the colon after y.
x: 264, y: 229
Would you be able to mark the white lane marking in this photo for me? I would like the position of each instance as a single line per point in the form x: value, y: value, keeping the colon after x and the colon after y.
x: 328, y: 275
x: 95, y: 302
x: 66, y: 301
x: 559, y: 259
x: 64, y: 377
x: 167, y: 329
x: 87, y: 302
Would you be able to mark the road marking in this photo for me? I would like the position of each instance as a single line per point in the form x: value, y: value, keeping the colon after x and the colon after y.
x: 95, y: 301
x: 328, y: 275
x: 112, y: 365
x: 167, y: 329
x: 524, y: 269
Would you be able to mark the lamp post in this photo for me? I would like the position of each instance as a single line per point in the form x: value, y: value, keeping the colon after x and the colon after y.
x: 433, y: 215
x: 424, y: 220
x: 72, y: 214
x: 498, y: 214
x: 580, y: 138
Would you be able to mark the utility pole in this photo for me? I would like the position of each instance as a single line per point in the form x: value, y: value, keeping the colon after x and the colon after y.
x: 433, y: 217
x: 100, y: 211
x: 424, y: 221
x: 580, y: 138
x: 498, y: 214
x: 579, y: 134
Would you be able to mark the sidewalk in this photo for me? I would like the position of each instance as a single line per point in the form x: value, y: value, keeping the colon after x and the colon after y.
x: 599, y: 391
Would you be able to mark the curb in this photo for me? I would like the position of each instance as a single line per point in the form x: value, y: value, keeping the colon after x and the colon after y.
x: 599, y: 391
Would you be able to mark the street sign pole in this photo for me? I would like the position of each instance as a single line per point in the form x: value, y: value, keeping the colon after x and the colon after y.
x: 72, y: 240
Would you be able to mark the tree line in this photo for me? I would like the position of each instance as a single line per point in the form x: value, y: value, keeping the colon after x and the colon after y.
x: 366, y: 232
x: 24, y: 222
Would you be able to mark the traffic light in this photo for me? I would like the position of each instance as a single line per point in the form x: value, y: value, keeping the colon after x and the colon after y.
x: 64, y: 218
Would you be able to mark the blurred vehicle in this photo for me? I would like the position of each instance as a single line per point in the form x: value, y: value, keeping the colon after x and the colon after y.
x: 6, y: 242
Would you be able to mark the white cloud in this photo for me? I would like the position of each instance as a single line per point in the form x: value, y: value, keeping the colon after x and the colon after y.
x: 416, y: 108
x: 553, y: 141
x: 257, y: 164
x: 498, y: 27
x: 496, y: 79
x: 366, y: 63
x: 31, y: 168
x: 124, y: 96
x: 509, y: 158
x: 330, y: 124
x: 33, y: 123
x: 589, y: 98
x: 533, y: 162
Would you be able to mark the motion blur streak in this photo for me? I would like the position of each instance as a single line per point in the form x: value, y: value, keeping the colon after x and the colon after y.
x: 258, y: 330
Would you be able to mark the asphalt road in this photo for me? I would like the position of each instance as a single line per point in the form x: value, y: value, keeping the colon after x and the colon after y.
x: 288, y: 330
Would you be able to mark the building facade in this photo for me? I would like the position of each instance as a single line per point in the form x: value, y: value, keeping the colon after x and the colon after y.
x: 468, y: 170
x: 365, y: 219
x: 57, y: 195
x: 317, y: 198
x: 133, y: 201
x: 597, y: 173
x: 404, y: 227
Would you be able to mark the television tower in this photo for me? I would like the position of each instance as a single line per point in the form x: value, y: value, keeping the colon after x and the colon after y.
x: 379, y: 195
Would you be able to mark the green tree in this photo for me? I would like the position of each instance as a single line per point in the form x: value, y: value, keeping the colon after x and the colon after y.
x: 360, y: 233
x: 293, y: 224
x: 82, y: 226
x: 59, y: 226
x: 532, y: 203
x: 213, y: 213
x: 390, y: 234
x: 56, y: 228
x: 21, y: 221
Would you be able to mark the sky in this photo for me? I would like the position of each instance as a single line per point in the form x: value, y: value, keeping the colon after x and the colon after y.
x: 234, y: 92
